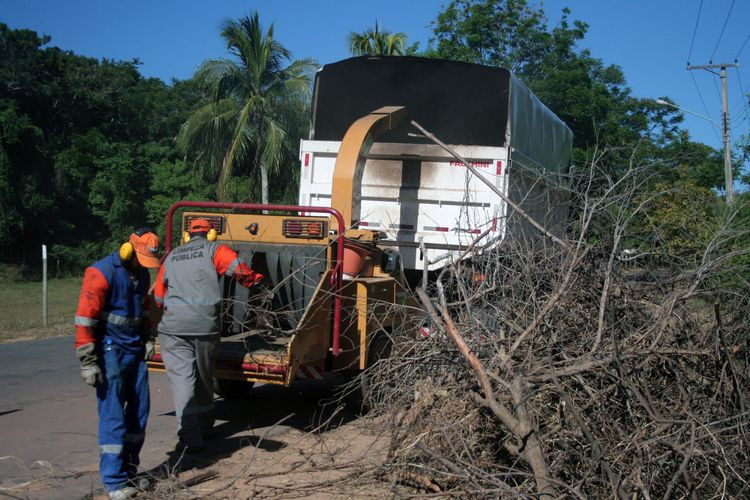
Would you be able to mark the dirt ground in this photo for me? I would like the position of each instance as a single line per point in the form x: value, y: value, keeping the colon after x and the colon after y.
x: 275, y: 442
x: 334, y: 464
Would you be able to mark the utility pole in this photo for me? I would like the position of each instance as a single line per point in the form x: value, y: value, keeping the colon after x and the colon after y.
x: 44, y: 285
x: 729, y: 182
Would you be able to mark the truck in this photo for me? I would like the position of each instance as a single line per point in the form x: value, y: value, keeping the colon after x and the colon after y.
x: 381, y: 209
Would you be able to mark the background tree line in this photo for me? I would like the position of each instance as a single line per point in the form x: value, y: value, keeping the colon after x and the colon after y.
x: 90, y: 148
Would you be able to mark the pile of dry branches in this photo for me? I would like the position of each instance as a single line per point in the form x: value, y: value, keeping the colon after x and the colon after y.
x: 564, y: 369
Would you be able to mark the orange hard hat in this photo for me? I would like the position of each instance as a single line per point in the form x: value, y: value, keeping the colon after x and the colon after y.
x: 199, y: 226
x: 146, y: 246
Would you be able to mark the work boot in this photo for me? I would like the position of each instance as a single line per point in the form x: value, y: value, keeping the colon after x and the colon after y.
x: 123, y: 493
x: 207, y: 422
x: 141, y: 482
x: 189, y: 449
x: 207, y: 433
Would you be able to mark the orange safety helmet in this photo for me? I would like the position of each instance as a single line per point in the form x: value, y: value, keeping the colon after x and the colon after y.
x: 144, y: 245
x: 199, y: 226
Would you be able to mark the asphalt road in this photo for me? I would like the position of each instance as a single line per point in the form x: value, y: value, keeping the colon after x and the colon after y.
x: 48, y: 421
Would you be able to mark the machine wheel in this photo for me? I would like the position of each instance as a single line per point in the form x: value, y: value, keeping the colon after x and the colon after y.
x: 232, y: 389
x: 360, y: 399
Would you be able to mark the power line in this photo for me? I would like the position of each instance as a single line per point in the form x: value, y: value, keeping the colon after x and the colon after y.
x: 729, y: 182
x: 743, y: 94
x: 738, y: 106
x: 705, y: 108
x: 716, y: 86
x: 695, y: 30
x: 741, y: 118
x: 743, y: 46
x: 738, y: 109
x: 741, y: 110
x: 722, y: 32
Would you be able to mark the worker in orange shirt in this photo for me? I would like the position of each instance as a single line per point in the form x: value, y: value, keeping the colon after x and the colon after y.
x: 111, y: 330
x: 187, y: 287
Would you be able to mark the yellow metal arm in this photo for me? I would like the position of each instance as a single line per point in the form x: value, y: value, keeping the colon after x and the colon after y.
x: 350, y: 162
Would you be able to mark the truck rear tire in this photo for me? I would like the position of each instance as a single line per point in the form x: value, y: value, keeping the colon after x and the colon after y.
x: 362, y: 397
x: 232, y: 389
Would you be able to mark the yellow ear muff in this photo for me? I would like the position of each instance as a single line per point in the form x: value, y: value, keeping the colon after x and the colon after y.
x: 210, y: 236
x: 126, y: 251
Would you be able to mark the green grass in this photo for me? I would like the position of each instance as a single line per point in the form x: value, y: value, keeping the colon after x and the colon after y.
x: 21, y: 308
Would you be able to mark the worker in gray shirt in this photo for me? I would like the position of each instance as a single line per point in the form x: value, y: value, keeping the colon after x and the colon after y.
x: 187, y: 288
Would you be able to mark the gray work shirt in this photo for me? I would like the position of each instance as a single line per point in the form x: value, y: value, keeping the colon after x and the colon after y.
x: 192, y: 304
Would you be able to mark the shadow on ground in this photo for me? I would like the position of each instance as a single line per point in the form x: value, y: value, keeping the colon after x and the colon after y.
x: 258, y: 419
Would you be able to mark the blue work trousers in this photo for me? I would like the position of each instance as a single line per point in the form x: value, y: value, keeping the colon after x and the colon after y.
x: 123, y: 402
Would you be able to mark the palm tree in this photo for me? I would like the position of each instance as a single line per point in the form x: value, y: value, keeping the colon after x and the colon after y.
x: 252, y: 96
x: 376, y: 42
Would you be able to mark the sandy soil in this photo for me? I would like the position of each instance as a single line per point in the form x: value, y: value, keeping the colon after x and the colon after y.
x: 276, y: 442
x: 296, y: 464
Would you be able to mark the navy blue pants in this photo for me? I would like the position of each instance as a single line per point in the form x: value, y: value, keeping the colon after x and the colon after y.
x: 123, y: 402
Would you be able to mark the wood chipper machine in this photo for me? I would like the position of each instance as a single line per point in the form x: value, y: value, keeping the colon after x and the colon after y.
x: 330, y: 295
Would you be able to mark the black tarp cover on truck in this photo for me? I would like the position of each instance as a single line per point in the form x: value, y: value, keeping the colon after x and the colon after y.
x: 459, y: 102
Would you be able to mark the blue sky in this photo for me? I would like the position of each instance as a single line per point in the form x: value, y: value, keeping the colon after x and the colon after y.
x: 651, y: 40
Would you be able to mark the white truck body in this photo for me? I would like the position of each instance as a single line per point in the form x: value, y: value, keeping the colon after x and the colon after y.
x: 439, y: 202
x: 426, y: 202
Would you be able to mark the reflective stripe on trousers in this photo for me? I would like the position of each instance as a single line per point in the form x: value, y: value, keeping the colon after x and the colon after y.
x: 112, y: 449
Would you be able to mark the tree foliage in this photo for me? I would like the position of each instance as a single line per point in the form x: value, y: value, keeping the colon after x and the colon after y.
x: 679, y: 220
x: 377, y: 42
x: 88, y: 151
x: 79, y: 142
x: 611, y: 127
x: 592, y: 97
x: 87, y: 147
x: 255, y: 98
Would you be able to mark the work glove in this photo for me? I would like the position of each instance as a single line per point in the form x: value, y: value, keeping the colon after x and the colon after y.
x: 149, y: 348
x: 91, y: 373
x: 251, y: 280
x: 257, y: 278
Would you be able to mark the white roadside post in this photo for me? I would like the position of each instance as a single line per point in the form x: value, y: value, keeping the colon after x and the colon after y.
x: 44, y: 284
